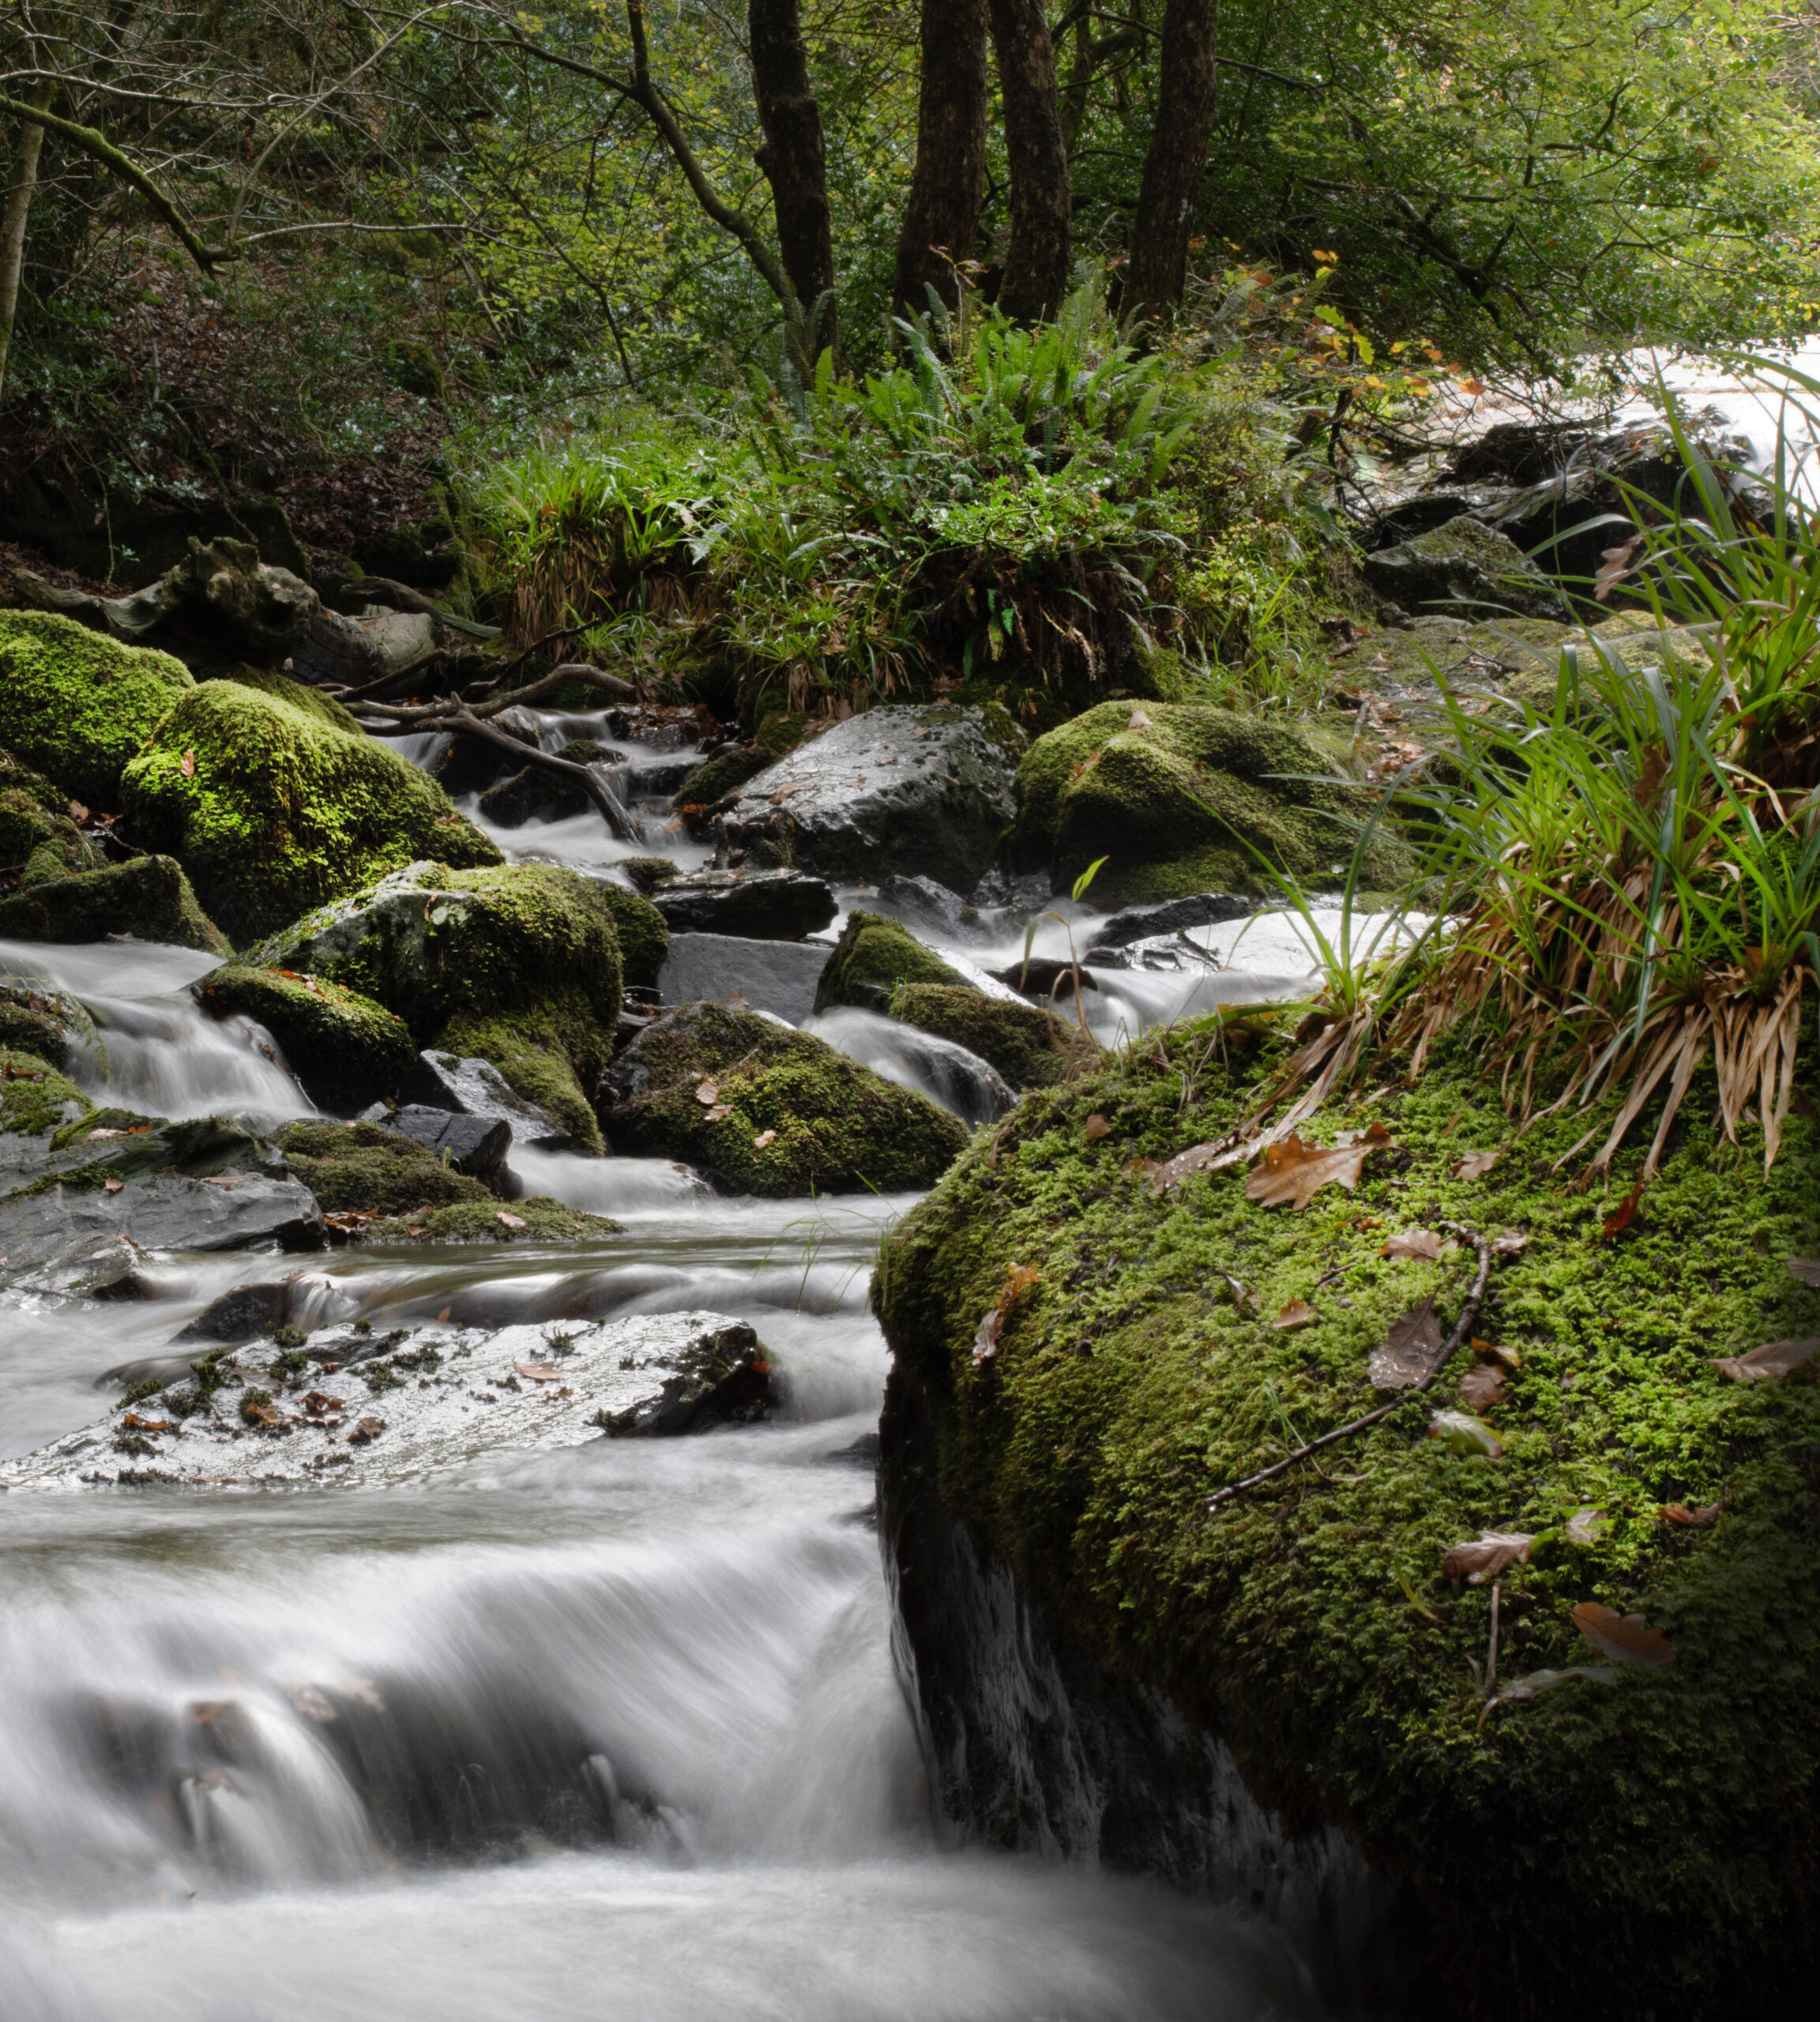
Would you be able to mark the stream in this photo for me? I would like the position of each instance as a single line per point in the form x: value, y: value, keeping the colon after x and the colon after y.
x: 609, y: 1731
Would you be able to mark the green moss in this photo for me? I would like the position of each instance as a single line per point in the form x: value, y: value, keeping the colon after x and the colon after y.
x: 644, y: 938
x: 1187, y: 800
x: 149, y: 898
x: 36, y: 830
x: 830, y: 1125
x: 873, y: 956
x: 647, y: 873
x: 80, y: 1129
x: 1644, y: 1847
x: 78, y: 705
x: 346, y: 1050
x: 544, y: 1220
x: 716, y: 777
x: 1028, y: 1046
x: 552, y: 1058
x: 34, y: 1097
x: 36, y: 1018
x: 298, y: 694
x: 354, y: 1166
x: 281, y: 810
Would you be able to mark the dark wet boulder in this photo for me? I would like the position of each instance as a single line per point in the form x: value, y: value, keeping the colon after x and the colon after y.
x: 345, y: 1050
x: 476, y: 1145
x: 754, y: 905
x: 763, y: 1110
x: 1136, y: 923
x: 37, y: 1017
x: 1463, y: 568
x: 40, y: 836
x: 476, y: 1087
x: 905, y: 787
x: 534, y: 794
x: 148, y: 898
x: 873, y: 957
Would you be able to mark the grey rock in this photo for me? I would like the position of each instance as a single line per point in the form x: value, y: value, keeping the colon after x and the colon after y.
x: 777, y: 976
x: 477, y: 1088
x: 922, y: 902
x: 1173, y: 916
x: 476, y: 1145
x: 754, y: 905
x: 1463, y: 564
x: 906, y: 789
x: 242, y: 1315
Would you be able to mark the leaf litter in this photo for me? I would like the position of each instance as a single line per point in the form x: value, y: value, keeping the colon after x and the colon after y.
x: 1409, y: 1349
x: 1485, y: 1557
x: 1774, y: 1359
x: 1294, y: 1172
x: 1626, y: 1639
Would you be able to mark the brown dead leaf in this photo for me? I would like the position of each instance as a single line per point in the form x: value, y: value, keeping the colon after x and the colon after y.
x: 764, y: 1137
x: 1486, y: 1556
x: 318, y: 1404
x: 1805, y: 1269
x: 366, y: 1431
x: 1097, y: 1127
x: 1489, y: 1351
x: 1139, y: 720
x: 1623, y: 1215
x: 1511, y: 1243
x: 112, y: 1185
x: 188, y: 765
x: 1774, y: 1358
x: 443, y: 1318
x: 1587, y: 1525
x: 507, y: 1219
x: 1296, y: 1314
x: 539, y: 1372
x: 1409, y: 1349
x: 1482, y: 1387
x: 1423, y: 1245
x: 1018, y: 1280
x: 1614, y: 566
x: 719, y: 1113
x: 1242, y: 1297
x: 1173, y: 1171
x: 707, y: 1092
x: 1626, y: 1639
x: 134, y: 1423
x: 1709, y: 1513
x: 1476, y: 1165
x: 1293, y: 1171
x: 77, y: 811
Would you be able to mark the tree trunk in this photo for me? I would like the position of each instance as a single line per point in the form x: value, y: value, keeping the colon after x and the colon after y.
x: 793, y: 157
x: 941, y: 219
x: 1158, y: 266
x: 1042, y: 203
x: 23, y: 181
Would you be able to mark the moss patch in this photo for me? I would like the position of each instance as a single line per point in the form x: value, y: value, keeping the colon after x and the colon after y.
x: 34, y: 1097
x: 39, y: 1018
x: 1650, y: 1847
x: 543, y: 1220
x: 1187, y: 800
x: 345, y: 1050
x: 36, y: 831
x: 724, y: 774
x: 829, y: 1125
x: 354, y: 1166
x: 545, y: 1056
x: 149, y: 898
x: 644, y: 938
x: 281, y: 810
x: 1031, y: 1049
x: 873, y: 956
x: 78, y: 705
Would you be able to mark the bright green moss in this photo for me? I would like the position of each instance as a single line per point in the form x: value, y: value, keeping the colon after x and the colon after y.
x: 724, y: 774
x: 873, y: 957
x: 644, y: 938
x: 552, y: 1057
x: 345, y: 1050
x: 1649, y: 1847
x: 34, y: 1097
x: 353, y: 1166
x: 281, y: 810
x: 148, y: 897
x: 1030, y: 1046
x: 1184, y: 797
x: 78, y: 705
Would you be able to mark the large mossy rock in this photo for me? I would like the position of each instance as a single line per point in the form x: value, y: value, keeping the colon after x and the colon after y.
x: 763, y: 1110
x: 38, y: 834
x: 873, y: 957
x: 37, y: 1017
x: 1463, y: 566
x: 359, y: 1167
x: 273, y: 808
x: 76, y: 705
x: 149, y: 898
x: 1645, y: 1842
x: 644, y: 935
x: 1182, y: 796
x: 518, y: 966
x: 345, y: 1050
x: 1031, y: 1047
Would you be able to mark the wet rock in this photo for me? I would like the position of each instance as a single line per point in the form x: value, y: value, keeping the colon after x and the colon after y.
x: 645, y: 873
x: 903, y: 789
x: 149, y: 899
x: 38, y: 1018
x: 274, y: 802
x: 1030, y: 1048
x: 533, y: 794
x: 1181, y: 798
x: 477, y: 1088
x: 922, y: 902
x: 1463, y: 566
x: 777, y: 976
x: 875, y: 957
x: 345, y: 1050
x: 476, y: 1145
x: 430, y: 1403
x: 946, y: 1071
x: 1173, y: 916
x: 242, y: 1315
x: 762, y: 1109
x: 752, y: 905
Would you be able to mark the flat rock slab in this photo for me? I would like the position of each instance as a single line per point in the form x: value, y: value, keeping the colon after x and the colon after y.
x: 476, y: 1145
x: 752, y: 905
x: 407, y: 1406
x: 777, y: 976
x: 911, y: 789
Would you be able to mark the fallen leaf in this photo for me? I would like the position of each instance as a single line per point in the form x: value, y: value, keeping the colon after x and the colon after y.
x: 259, y: 1413
x: 1614, y: 566
x: 719, y: 1113
x: 1805, y: 1268
x: 443, y: 1318
x: 1587, y: 1525
x: 316, y: 1404
x: 1511, y: 1243
x: 1774, y: 1358
x: 1293, y: 1171
x: 1018, y: 1280
x: 365, y: 1431
x: 1709, y: 1513
x: 77, y: 811
x: 1485, y: 1557
x: 1623, y: 1215
x: 1173, y: 1171
x: 1510, y: 1357
x: 1409, y: 1349
x: 112, y: 1185
x: 1626, y: 1639
x: 1097, y: 1127
x: 507, y: 1219
x: 1422, y: 1244
x: 1462, y: 1433
x: 1482, y: 1387
x: 134, y: 1423
x: 1242, y: 1297
x: 707, y: 1092
x: 1544, y: 1680
x: 1476, y: 1165
x: 188, y: 765
x: 539, y: 1372
x: 764, y: 1137
x: 1139, y: 720
x: 1296, y: 1314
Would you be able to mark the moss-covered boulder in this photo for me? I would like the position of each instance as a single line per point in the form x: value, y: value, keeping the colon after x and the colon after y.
x: 518, y: 966
x: 1574, y: 1834
x: 355, y: 1167
x: 538, y: 1219
x: 875, y: 956
x: 724, y: 774
x: 345, y: 1050
x: 760, y: 1109
x: 273, y: 808
x: 34, y: 1099
x: 1184, y: 797
x: 39, y: 836
x: 149, y: 898
x: 36, y: 1018
x: 1031, y: 1047
x: 77, y: 704
x: 644, y: 935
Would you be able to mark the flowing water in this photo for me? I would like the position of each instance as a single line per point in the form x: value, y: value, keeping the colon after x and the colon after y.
x: 612, y: 1731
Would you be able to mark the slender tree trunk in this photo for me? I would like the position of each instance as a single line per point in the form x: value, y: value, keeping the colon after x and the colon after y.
x: 23, y: 182
x: 1042, y: 203
x: 941, y: 219
x: 1158, y: 266
x: 793, y: 157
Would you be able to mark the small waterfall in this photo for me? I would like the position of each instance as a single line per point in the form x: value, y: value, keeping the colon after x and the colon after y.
x: 937, y: 1068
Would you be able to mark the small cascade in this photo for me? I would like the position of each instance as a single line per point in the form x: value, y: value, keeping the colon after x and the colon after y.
x: 946, y: 1072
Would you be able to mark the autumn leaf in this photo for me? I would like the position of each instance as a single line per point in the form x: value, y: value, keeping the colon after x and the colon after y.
x: 1710, y: 1513
x: 1409, y: 1349
x: 1097, y: 1127
x: 112, y: 1185
x: 1474, y: 387
x: 1173, y: 1171
x: 1296, y: 1314
x: 1462, y: 1433
x: 1774, y: 1358
x: 507, y: 1219
x: 1476, y: 1165
x: 1018, y: 1280
x: 134, y: 1423
x: 764, y: 1137
x: 1293, y: 1171
x: 707, y: 1092
x: 1626, y: 1639
x: 1521, y: 1688
x: 77, y: 811
x: 1511, y: 1243
x: 719, y: 1113
x: 1139, y: 720
x: 1587, y: 1525
x: 1482, y: 1387
x: 1806, y: 1270
x: 1623, y: 1215
x: 1243, y: 1296
x: 1486, y: 1556
x: 1614, y: 566
x: 539, y: 1372
x: 1423, y: 1244
x: 188, y: 763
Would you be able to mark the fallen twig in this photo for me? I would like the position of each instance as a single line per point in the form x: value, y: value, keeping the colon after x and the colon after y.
x: 1462, y: 1326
